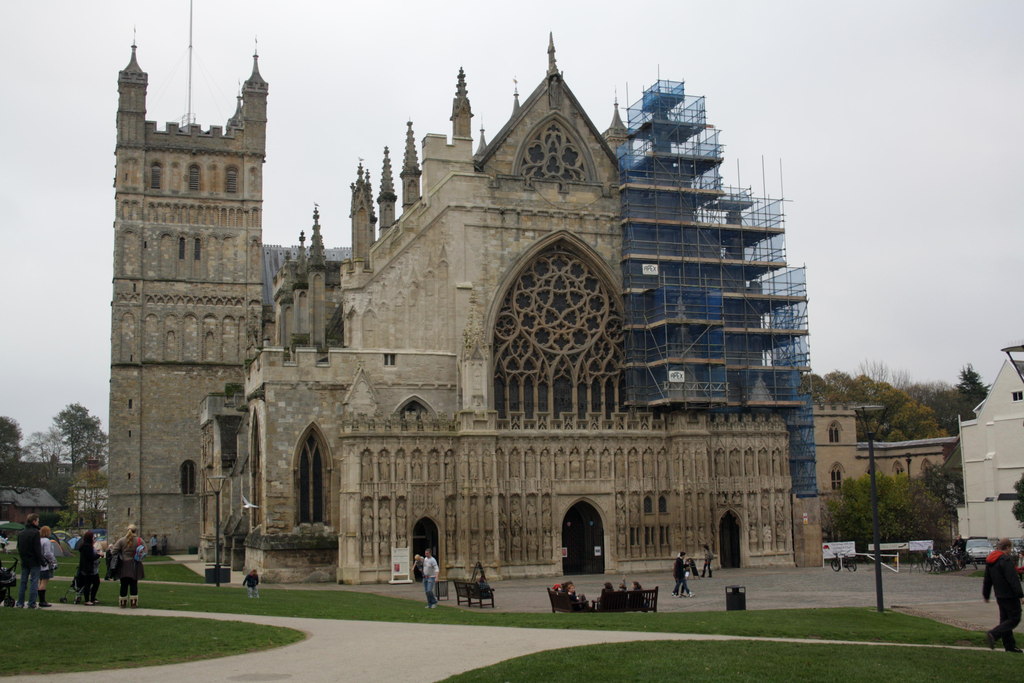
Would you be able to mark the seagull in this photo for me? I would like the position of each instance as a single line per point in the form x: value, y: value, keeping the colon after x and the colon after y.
x: 246, y: 504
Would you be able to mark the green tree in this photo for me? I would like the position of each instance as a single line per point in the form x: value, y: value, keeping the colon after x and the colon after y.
x: 1018, y: 507
x: 10, y: 452
x: 82, y: 434
x: 906, y: 511
x: 970, y: 387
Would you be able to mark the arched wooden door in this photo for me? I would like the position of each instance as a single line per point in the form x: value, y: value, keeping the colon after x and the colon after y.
x: 729, y: 540
x: 582, y: 540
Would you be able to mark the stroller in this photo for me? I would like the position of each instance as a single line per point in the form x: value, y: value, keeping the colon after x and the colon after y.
x: 8, y: 581
x: 76, y: 588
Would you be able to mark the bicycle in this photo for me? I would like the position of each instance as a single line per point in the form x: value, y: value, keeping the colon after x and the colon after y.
x: 850, y: 564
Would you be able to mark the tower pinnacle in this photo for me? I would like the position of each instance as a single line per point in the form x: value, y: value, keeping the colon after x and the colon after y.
x: 461, y: 111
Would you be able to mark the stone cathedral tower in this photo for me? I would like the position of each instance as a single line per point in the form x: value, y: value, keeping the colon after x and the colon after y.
x: 186, y: 305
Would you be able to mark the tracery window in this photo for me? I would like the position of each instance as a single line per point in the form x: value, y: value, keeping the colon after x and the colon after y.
x: 557, y: 341
x: 311, y: 482
x: 833, y: 433
x: 837, y: 477
x: 552, y: 154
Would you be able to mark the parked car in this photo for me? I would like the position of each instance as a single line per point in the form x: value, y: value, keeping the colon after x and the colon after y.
x: 979, y: 548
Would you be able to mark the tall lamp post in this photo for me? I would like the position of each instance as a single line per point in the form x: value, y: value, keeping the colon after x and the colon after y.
x: 216, y: 484
x: 863, y: 412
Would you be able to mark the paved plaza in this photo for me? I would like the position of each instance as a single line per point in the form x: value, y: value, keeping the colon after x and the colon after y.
x: 377, y: 651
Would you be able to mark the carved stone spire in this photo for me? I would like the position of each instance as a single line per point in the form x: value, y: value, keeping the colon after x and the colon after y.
x: 461, y: 111
x: 411, y: 173
x: 482, y: 147
x: 552, y: 66
x: 617, y: 132
x: 316, y: 244
x: 236, y: 120
x: 515, y: 98
x: 387, y: 197
x: 363, y: 218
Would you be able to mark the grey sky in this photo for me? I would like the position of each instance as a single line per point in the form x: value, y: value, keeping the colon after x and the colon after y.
x: 897, y: 125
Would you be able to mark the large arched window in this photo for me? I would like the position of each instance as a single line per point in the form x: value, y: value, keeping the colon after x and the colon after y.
x: 187, y: 473
x: 311, y: 481
x: 557, y: 340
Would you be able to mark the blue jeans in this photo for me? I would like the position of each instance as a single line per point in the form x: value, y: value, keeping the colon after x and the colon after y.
x: 680, y: 582
x: 428, y: 588
x: 29, y: 579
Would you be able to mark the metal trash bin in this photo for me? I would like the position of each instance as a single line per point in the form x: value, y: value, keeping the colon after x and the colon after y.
x: 735, y: 598
x: 225, y: 574
x: 441, y: 589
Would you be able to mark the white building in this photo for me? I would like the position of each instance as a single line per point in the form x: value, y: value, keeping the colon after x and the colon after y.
x: 993, y: 453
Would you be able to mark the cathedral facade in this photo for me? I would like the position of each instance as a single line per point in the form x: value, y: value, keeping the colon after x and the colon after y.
x: 460, y: 380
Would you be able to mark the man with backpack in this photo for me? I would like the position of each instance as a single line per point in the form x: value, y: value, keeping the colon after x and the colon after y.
x: 1001, y: 576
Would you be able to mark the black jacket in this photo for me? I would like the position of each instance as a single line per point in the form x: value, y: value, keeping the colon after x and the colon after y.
x: 1001, y: 575
x: 29, y: 547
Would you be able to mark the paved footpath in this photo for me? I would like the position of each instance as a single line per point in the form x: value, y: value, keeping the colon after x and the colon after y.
x: 377, y: 651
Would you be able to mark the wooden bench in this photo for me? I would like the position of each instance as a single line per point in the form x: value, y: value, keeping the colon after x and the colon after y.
x: 560, y: 602
x: 628, y: 601
x: 470, y: 592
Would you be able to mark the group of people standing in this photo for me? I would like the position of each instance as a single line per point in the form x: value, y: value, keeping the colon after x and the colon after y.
x: 686, y: 567
x: 38, y: 563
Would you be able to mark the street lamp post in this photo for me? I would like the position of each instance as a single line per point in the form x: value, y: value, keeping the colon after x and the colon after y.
x: 862, y: 413
x: 216, y: 483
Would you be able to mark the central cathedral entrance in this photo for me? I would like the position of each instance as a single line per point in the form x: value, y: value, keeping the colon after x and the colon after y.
x: 582, y: 540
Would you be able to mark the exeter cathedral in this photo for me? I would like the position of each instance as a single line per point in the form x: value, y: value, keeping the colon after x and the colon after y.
x: 560, y: 351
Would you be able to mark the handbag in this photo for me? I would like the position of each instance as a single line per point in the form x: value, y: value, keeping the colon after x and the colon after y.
x: 115, y: 564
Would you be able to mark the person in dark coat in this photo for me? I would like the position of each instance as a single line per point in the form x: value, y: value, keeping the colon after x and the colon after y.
x: 88, y: 568
x: 30, y: 551
x: 1001, y: 577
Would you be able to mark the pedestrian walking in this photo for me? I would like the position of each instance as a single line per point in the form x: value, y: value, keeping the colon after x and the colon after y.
x: 430, y: 571
x: 680, y: 571
x: 1001, y: 577
x: 708, y: 557
x: 251, y: 583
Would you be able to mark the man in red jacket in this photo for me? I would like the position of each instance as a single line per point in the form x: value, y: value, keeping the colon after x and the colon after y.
x: 1001, y: 575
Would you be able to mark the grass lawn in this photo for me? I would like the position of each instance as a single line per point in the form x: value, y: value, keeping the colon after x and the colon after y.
x: 852, y: 623
x: 84, y: 641
x: 750, y: 661
x: 155, y: 571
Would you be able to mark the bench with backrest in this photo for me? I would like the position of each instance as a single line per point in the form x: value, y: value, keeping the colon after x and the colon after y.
x: 470, y: 591
x: 561, y: 602
x: 628, y: 601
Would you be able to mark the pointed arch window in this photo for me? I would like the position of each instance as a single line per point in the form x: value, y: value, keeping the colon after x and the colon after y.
x: 558, y: 340
x: 662, y: 505
x: 833, y: 433
x: 648, y: 506
x: 187, y: 475
x: 193, y: 177
x: 181, y: 248
x: 837, y: 477
x: 311, y: 482
x: 155, y: 176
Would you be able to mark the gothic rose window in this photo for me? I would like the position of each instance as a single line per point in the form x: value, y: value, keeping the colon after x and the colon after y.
x: 552, y: 155
x: 557, y: 341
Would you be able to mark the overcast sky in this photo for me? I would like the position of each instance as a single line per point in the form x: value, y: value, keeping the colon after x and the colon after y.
x: 897, y: 126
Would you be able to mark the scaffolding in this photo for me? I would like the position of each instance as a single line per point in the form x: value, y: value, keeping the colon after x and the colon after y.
x: 715, y: 317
